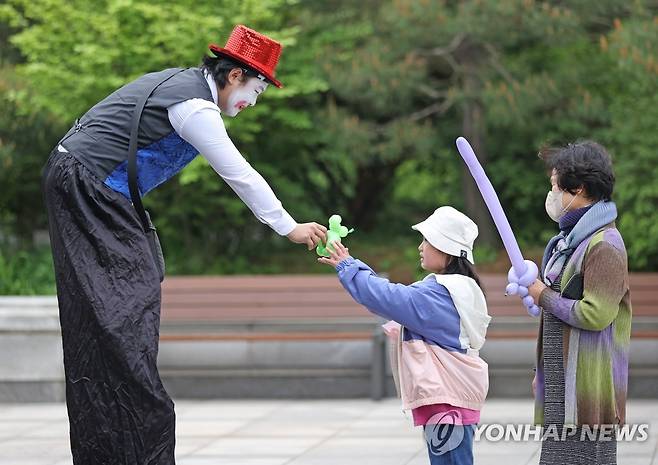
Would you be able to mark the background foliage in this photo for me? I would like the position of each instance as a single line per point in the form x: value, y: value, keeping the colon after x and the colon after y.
x: 375, y: 94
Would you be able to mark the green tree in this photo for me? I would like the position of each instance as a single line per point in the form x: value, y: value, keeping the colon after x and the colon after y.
x: 511, y: 75
x: 375, y: 94
x: 91, y: 48
x: 631, y: 132
x: 411, y: 77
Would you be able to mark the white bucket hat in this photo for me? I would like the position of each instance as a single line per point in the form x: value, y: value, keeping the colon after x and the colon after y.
x: 450, y: 231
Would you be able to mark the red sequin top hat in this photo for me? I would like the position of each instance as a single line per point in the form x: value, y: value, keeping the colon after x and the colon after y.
x: 252, y: 49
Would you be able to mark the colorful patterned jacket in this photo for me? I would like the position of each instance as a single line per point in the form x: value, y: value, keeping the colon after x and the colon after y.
x: 597, y: 321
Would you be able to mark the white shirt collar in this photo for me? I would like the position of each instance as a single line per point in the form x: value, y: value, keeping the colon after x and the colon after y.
x: 213, y: 86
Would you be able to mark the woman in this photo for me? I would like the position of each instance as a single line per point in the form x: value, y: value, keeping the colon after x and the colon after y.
x: 107, y: 270
x: 582, y: 355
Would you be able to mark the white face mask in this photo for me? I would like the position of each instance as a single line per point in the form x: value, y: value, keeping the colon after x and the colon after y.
x: 554, y: 207
x: 245, y: 96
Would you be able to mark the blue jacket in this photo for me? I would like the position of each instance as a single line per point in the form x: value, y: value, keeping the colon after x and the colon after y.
x: 438, y: 325
x: 425, y: 308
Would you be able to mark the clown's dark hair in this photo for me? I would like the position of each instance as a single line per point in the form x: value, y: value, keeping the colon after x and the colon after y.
x: 220, y: 67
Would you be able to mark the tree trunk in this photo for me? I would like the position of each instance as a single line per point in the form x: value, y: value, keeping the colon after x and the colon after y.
x: 473, y: 131
x: 372, y: 185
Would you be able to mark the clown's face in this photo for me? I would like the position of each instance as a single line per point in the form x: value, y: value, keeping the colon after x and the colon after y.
x: 238, y: 95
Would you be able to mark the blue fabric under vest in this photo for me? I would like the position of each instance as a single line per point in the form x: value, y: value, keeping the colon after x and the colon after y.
x: 100, y: 140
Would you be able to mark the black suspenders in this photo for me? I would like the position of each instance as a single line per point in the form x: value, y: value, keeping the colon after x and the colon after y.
x: 132, y: 150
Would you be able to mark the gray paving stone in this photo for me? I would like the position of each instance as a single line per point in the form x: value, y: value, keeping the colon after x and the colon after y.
x: 304, y: 432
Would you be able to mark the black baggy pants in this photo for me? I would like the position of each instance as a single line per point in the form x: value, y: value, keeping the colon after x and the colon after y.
x: 108, y: 290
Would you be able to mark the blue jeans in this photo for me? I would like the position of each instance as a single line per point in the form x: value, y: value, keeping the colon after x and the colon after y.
x: 449, y: 444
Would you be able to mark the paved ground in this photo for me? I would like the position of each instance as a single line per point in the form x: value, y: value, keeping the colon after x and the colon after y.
x: 299, y: 433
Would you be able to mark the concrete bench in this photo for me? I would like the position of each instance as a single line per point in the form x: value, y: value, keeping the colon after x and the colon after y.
x: 299, y: 335
x: 290, y: 336
x: 195, y: 308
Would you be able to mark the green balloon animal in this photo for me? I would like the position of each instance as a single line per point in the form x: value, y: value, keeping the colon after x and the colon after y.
x: 334, y: 234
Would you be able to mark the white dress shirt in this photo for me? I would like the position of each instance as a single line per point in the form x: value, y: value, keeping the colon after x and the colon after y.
x: 199, y: 122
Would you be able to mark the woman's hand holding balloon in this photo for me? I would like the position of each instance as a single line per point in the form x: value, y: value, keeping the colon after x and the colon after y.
x: 536, y: 289
x: 520, y: 285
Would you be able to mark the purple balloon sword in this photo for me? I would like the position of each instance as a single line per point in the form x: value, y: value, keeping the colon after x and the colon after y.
x: 523, y: 272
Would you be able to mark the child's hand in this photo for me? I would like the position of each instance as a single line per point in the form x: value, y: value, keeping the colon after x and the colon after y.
x: 338, y: 252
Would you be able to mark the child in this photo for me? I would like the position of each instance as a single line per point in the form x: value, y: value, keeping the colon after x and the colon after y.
x: 438, y: 325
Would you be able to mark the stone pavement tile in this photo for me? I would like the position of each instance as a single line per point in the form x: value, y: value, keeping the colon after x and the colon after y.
x: 258, y: 447
x: 509, y: 460
x: 26, y: 461
x: 283, y: 429
x: 634, y: 460
x: 385, y: 427
x: 501, y: 448
x: 354, y: 404
x: 421, y: 458
x: 64, y: 461
x: 534, y: 460
x: 187, y: 427
x: 342, y: 446
x: 641, y: 408
x: 360, y: 459
x: 52, y: 429
x: 33, y: 411
x: 629, y: 448
x: 336, y: 432
x: 225, y: 409
x: 189, y: 445
x: 232, y: 461
x: 37, y: 449
x: 13, y: 429
x: 386, y: 408
x: 507, y: 411
x: 309, y: 411
x: 346, y: 451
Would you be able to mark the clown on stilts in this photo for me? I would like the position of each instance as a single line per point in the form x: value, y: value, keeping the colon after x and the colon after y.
x: 108, y: 263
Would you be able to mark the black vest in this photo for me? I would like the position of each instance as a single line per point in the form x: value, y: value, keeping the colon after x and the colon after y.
x: 100, y: 139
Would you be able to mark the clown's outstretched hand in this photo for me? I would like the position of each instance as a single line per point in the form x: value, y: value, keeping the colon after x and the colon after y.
x: 310, y: 234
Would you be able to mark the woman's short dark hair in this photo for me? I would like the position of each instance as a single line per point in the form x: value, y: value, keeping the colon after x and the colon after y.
x: 220, y: 67
x: 583, y: 163
x: 460, y: 265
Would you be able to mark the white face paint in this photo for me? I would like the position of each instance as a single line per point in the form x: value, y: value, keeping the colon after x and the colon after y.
x: 245, y: 96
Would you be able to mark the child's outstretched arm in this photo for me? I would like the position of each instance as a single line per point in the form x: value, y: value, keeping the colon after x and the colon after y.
x: 412, y: 306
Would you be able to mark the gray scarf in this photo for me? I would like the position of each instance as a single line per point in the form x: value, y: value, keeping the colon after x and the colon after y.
x: 560, y: 248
